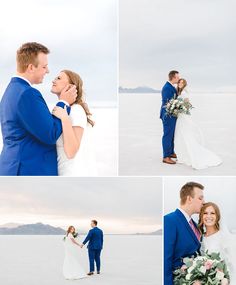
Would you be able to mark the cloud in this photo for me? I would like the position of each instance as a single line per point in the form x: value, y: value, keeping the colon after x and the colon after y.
x: 194, y: 37
x: 133, y: 203
x: 82, y: 36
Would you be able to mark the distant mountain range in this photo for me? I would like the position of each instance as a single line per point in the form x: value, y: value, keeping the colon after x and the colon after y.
x: 158, y: 232
x: 141, y: 89
x: 42, y: 229
x: 31, y: 229
x: 10, y: 225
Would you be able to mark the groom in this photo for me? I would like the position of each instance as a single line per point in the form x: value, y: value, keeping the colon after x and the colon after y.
x: 181, y: 235
x: 95, y: 239
x: 29, y: 130
x: 168, y: 92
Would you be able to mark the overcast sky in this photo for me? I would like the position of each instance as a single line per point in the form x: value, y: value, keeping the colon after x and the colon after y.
x: 194, y: 37
x: 220, y: 190
x: 121, y: 205
x: 81, y: 35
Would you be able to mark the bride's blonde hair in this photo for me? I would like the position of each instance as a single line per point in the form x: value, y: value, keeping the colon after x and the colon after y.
x: 69, y: 229
x: 217, y: 212
x: 75, y: 79
x: 179, y: 90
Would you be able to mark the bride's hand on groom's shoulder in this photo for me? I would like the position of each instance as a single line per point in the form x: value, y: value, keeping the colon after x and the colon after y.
x: 60, y: 113
x: 69, y: 94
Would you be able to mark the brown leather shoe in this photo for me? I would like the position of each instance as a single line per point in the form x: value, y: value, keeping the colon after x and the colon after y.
x: 173, y: 155
x: 168, y: 160
x: 90, y: 273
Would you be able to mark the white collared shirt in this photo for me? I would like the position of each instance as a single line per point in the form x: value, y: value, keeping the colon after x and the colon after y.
x: 172, y: 84
x: 23, y: 78
x: 187, y: 217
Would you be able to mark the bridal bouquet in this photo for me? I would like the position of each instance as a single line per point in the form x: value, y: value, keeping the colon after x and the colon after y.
x: 177, y: 106
x: 204, y: 269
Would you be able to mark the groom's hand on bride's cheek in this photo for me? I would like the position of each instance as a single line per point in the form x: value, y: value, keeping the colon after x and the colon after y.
x: 69, y: 94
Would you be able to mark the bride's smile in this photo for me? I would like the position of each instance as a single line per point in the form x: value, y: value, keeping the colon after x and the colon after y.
x: 209, y: 217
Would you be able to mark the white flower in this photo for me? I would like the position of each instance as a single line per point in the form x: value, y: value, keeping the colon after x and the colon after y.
x: 191, y: 268
x: 202, y: 269
x: 188, y: 276
x: 200, y: 258
x: 220, y: 275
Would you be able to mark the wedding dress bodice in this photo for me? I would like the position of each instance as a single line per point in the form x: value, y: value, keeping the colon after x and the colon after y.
x: 83, y: 164
x: 223, y: 243
x: 214, y: 243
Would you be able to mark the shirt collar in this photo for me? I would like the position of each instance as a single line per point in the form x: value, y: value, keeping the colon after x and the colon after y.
x: 187, y: 217
x: 23, y: 78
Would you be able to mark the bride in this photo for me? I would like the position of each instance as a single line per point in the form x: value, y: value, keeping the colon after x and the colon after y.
x: 74, y: 151
x: 189, y: 141
x: 215, y: 239
x: 71, y: 267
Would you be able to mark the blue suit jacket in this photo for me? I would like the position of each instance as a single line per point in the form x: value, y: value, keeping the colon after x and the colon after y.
x: 95, y: 239
x: 179, y: 241
x: 29, y: 132
x: 168, y: 92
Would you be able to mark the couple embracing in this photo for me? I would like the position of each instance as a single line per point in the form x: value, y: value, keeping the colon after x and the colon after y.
x: 36, y: 141
x: 184, y: 238
x: 182, y: 138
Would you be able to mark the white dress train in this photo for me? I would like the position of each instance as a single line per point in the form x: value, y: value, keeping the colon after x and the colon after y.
x: 189, y: 144
x: 71, y: 267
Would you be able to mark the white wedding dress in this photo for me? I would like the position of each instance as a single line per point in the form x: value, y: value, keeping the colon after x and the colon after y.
x: 71, y: 267
x: 225, y: 244
x: 84, y: 162
x: 189, y: 144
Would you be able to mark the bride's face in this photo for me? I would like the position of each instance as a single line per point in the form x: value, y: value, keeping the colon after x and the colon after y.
x: 72, y: 230
x: 181, y: 84
x: 59, y: 83
x: 209, y: 217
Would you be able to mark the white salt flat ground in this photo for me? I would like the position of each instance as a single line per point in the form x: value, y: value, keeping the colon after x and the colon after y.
x: 140, y: 133
x: 38, y: 260
x: 105, y: 140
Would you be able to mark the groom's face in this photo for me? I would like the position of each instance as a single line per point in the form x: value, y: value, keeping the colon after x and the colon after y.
x: 38, y: 72
x: 197, y: 201
x: 176, y: 78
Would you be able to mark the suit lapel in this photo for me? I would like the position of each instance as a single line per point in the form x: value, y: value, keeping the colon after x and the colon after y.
x: 175, y: 91
x: 187, y: 226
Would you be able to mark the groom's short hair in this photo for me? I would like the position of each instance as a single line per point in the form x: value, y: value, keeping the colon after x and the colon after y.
x: 188, y: 190
x: 27, y: 54
x: 172, y: 74
x: 95, y: 222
